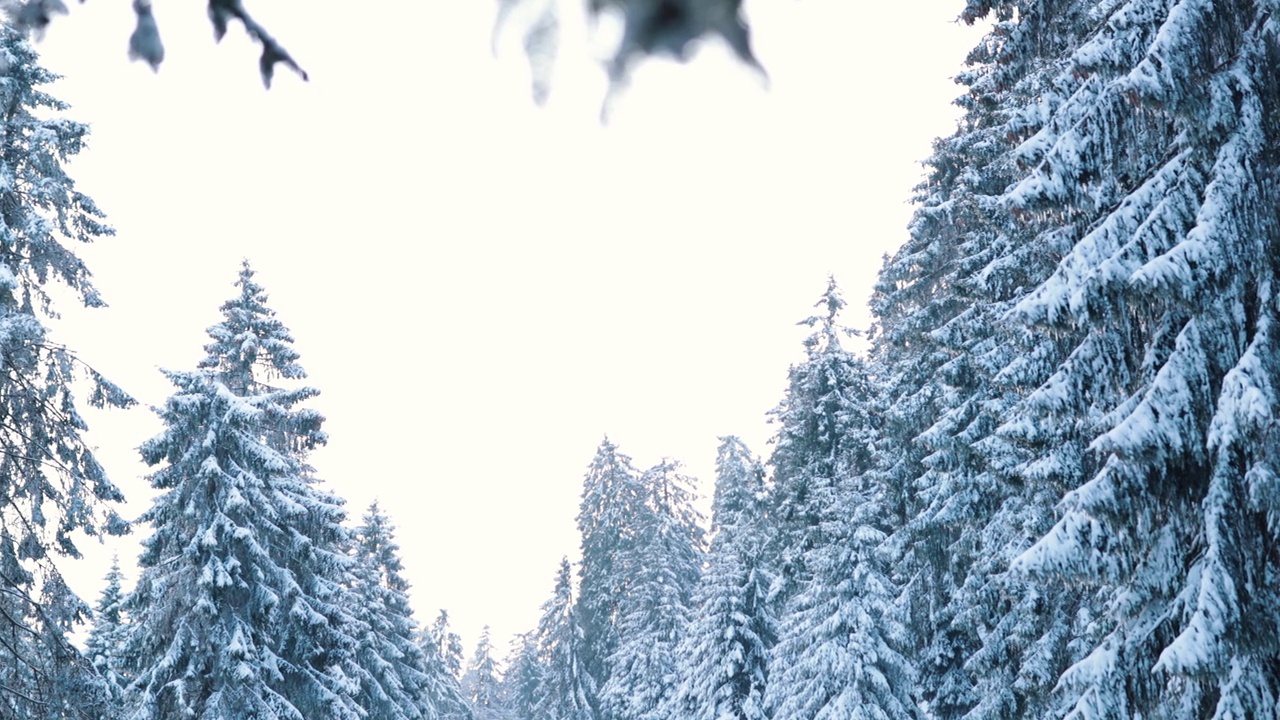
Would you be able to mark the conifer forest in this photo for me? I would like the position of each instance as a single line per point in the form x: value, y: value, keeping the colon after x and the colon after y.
x: 1044, y: 484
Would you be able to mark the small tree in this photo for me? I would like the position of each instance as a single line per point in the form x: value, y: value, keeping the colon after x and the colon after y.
x: 612, y: 501
x: 395, y: 682
x: 104, y: 645
x: 483, y: 681
x: 565, y: 689
x: 442, y: 649
x: 724, y: 657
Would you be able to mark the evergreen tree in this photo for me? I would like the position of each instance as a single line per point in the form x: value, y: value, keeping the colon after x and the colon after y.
x: 953, y: 369
x: 816, y: 442
x: 723, y: 659
x: 239, y: 609
x: 442, y: 650
x: 662, y: 563
x: 448, y: 644
x: 483, y: 681
x: 565, y: 689
x: 612, y: 499
x: 395, y: 668
x: 105, y: 643
x: 51, y: 485
x: 1162, y: 162
x: 523, y: 682
x: 838, y: 653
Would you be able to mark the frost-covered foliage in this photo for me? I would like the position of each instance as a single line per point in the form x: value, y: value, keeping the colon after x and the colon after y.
x: 724, y: 656
x: 660, y: 566
x: 838, y: 652
x: 954, y: 369
x: 33, y: 16
x: 612, y: 501
x: 1165, y: 157
x: 395, y: 683
x: 51, y: 485
x: 1084, y: 314
x: 239, y: 610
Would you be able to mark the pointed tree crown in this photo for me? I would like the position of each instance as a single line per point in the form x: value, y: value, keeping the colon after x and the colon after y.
x: 828, y: 330
x: 250, y: 346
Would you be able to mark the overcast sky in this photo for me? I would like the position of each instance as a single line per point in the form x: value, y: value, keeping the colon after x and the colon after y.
x: 482, y: 289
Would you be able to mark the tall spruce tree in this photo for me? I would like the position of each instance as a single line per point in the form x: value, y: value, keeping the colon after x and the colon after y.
x: 565, y: 689
x: 723, y: 660
x: 1162, y: 167
x: 838, y: 653
x: 816, y: 441
x: 953, y: 369
x: 662, y: 562
x: 51, y: 485
x: 612, y: 499
x: 395, y: 682
x: 239, y: 608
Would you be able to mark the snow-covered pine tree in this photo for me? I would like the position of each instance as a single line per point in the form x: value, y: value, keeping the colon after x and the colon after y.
x: 447, y: 643
x: 442, y: 651
x: 565, y: 689
x: 612, y: 499
x: 51, y: 486
x: 105, y: 643
x: 663, y: 562
x: 1163, y: 165
x: 816, y: 441
x: 239, y: 608
x: 522, y: 683
x: 952, y: 367
x: 482, y: 683
x: 724, y: 657
x: 395, y: 681
x: 839, y: 637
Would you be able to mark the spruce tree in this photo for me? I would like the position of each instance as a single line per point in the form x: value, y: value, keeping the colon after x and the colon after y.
x: 442, y: 651
x: 817, y: 439
x: 953, y: 368
x: 723, y: 659
x: 104, y: 645
x: 239, y: 609
x: 565, y: 689
x: 612, y: 500
x: 839, y: 648
x: 1162, y: 163
x: 51, y: 485
x: 662, y: 563
x: 522, y: 683
x: 447, y: 643
x: 394, y: 684
x: 482, y: 682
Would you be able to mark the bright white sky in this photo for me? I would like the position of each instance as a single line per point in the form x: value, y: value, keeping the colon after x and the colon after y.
x: 481, y: 289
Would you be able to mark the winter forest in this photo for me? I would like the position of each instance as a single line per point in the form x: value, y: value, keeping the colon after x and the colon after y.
x: 1041, y: 484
